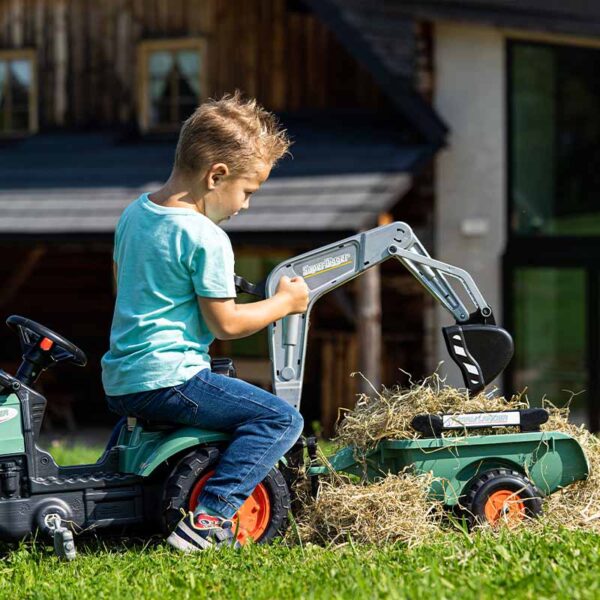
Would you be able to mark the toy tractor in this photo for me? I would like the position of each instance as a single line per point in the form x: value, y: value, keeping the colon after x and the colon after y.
x: 150, y: 470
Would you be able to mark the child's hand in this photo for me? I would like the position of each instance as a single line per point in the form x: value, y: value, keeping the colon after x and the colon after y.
x: 296, y: 292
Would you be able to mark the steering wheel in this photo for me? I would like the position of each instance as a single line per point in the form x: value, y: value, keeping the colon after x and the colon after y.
x: 33, y: 335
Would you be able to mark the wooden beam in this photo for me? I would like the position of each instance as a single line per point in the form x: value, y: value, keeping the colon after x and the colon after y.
x: 16, y: 21
x: 60, y: 62
x: 369, y: 323
x: 369, y: 329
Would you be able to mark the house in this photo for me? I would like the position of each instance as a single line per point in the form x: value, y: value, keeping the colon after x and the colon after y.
x: 474, y: 121
x: 515, y: 202
x: 93, y: 96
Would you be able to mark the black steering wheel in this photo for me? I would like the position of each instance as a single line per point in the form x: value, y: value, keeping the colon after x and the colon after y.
x: 33, y: 335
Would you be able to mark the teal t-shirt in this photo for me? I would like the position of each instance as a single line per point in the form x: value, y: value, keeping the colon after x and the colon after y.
x: 165, y: 258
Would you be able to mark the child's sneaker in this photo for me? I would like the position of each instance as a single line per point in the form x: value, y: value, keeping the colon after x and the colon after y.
x: 194, y: 533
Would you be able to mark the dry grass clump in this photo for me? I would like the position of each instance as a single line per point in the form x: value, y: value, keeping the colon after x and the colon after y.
x: 397, y: 508
x: 578, y: 505
x: 389, y: 414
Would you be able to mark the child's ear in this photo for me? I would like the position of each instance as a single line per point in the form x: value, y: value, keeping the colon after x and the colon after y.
x: 216, y: 174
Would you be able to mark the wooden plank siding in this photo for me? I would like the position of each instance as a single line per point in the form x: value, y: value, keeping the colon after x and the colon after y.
x: 88, y: 76
x: 88, y: 73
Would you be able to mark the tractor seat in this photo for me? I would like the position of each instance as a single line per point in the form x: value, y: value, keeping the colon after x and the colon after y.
x: 150, y: 425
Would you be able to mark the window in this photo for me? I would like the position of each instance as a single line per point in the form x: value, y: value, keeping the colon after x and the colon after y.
x: 18, y: 97
x: 554, y: 150
x: 552, y: 303
x: 172, y: 82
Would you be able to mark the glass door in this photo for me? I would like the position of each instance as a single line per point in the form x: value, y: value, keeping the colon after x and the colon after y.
x: 555, y: 329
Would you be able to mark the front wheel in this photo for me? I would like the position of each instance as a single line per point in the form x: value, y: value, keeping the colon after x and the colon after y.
x: 264, y: 515
x: 501, y: 497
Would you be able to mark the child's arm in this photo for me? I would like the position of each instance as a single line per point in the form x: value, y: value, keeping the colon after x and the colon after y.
x: 230, y: 321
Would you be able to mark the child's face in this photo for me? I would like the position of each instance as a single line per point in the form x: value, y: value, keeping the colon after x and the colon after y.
x: 231, y: 193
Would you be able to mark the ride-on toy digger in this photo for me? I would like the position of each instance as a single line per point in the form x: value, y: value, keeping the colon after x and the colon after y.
x: 150, y: 470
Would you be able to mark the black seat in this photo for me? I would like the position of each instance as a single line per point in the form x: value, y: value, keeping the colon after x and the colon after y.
x: 157, y: 425
x: 432, y: 425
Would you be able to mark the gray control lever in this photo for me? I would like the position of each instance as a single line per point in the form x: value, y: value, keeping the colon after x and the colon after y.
x: 291, y: 333
x: 244, y: 286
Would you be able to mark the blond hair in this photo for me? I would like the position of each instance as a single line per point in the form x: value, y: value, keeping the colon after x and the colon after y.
x: 233, y: 131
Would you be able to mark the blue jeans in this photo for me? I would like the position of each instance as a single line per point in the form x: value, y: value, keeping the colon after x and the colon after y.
x: 263, y: 427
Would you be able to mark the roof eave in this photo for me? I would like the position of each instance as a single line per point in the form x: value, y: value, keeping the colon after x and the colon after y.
x: 399, y: 89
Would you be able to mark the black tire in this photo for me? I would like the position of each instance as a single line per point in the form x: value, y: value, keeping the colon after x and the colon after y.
x: 485, y: 485
x: 181, y: 482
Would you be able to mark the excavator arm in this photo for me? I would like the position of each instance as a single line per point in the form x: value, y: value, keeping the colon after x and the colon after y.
x: 480, y: 349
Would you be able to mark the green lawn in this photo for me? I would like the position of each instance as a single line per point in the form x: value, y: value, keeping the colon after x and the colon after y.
x: 529, y: 564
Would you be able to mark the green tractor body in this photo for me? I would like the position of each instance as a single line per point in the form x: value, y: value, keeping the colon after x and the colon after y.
x: 125, y: 486
x: 150, y: 471
x: 11, y: 431
x: 142, y: 451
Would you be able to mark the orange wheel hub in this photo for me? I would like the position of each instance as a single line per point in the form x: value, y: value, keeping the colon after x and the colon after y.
x: 504, y: 506
x: 253, y: 516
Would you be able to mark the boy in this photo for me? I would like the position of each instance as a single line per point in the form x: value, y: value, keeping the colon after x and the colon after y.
x: 173, y: 267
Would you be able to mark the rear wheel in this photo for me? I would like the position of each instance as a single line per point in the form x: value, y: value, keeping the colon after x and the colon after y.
x: 264, y: 515
x: 501, y: 497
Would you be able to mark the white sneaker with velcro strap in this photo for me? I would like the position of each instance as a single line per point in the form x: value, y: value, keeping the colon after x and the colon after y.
x: 200, y: 532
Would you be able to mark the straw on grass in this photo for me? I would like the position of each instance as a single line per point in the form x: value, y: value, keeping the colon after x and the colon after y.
x: 397, y: 508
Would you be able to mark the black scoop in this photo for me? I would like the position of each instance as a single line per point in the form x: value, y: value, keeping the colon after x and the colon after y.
x: 481, y: 352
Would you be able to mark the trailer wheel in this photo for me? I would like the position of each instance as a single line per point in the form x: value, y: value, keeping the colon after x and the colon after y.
x: 264, y: 515
x: 501, y: 497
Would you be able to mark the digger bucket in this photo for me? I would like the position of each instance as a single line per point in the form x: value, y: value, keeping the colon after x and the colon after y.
x: 481, y: 352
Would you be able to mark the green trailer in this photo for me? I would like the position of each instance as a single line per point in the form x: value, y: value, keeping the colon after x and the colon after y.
x: 488, y: 477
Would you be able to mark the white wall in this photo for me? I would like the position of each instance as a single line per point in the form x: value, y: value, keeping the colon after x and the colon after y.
x: 471, y: 171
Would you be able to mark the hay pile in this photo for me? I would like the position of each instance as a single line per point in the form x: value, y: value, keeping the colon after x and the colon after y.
x: 578, y: 505
x: 389, y: 414
x: 397, y: 508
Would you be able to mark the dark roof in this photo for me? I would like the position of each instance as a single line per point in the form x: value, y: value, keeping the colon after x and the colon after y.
x: 384, y: 41
x: 55, y: 161
x: 381, y: 34
x: 581, y: 17
x: 343, y: 174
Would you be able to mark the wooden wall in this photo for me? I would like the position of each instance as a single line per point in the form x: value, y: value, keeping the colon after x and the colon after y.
x: 86, y: 53
x: 68, y: 288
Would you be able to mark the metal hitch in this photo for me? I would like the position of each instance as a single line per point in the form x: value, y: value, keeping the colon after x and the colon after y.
x: 64, y: 544
x: 481, y: 352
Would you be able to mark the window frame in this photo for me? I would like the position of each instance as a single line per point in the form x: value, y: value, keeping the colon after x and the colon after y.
x: 144, y: 50
x: 29, y: 54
